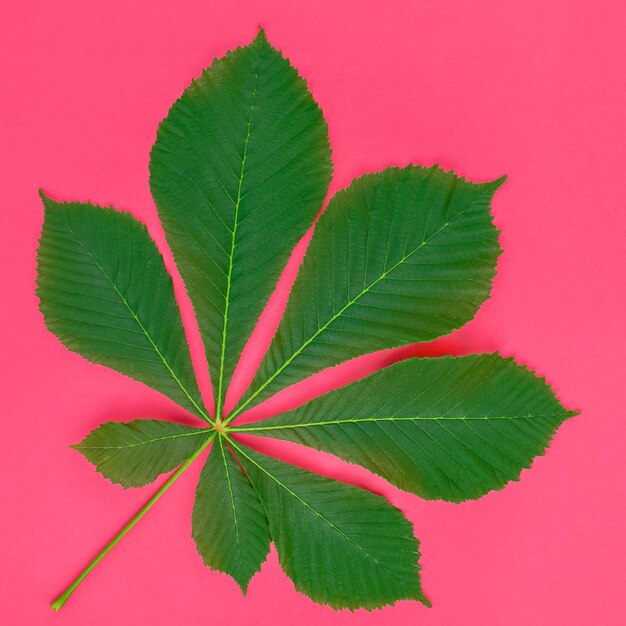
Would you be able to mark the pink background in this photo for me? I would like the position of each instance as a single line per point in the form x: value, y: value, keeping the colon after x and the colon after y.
x: 533, y: 89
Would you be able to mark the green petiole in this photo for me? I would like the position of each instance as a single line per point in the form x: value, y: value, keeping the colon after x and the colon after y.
x: 57, y: 605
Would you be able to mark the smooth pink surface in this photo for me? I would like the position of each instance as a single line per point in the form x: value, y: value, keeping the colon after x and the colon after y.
x: 531, y: 89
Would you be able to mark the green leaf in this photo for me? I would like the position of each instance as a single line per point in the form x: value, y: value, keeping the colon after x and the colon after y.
x: 229, y: 524
x: 340, y: 545
x: 400, y: 256
x: 239, y: 169
x: 136, y: 453
x: 444, y: 428
x: 105, y: 293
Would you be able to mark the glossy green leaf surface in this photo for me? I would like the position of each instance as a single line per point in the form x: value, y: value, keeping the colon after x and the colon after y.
x: 239, y: 170
x: 400, y: 256
x: 229, y: 524
x: 105, y: 293
x: 450, y: 428
x: 134, y: 454
x: 340, y: 545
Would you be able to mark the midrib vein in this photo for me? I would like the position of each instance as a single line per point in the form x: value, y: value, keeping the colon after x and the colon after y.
x: 146, y: 441
x: 220, y: 384
x: 232, y: 497
x: 242, y: 429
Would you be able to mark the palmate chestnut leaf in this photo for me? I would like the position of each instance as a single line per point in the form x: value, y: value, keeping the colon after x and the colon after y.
x: 240, y: 168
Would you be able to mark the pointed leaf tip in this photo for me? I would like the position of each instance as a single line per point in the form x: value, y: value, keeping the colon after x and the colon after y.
x: 498, y: 182
x: 47, y: 201
x: 261, y: 36
x: 425, y: 601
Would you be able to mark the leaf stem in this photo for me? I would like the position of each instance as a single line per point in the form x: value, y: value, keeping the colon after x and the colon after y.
x: 57, y: 605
